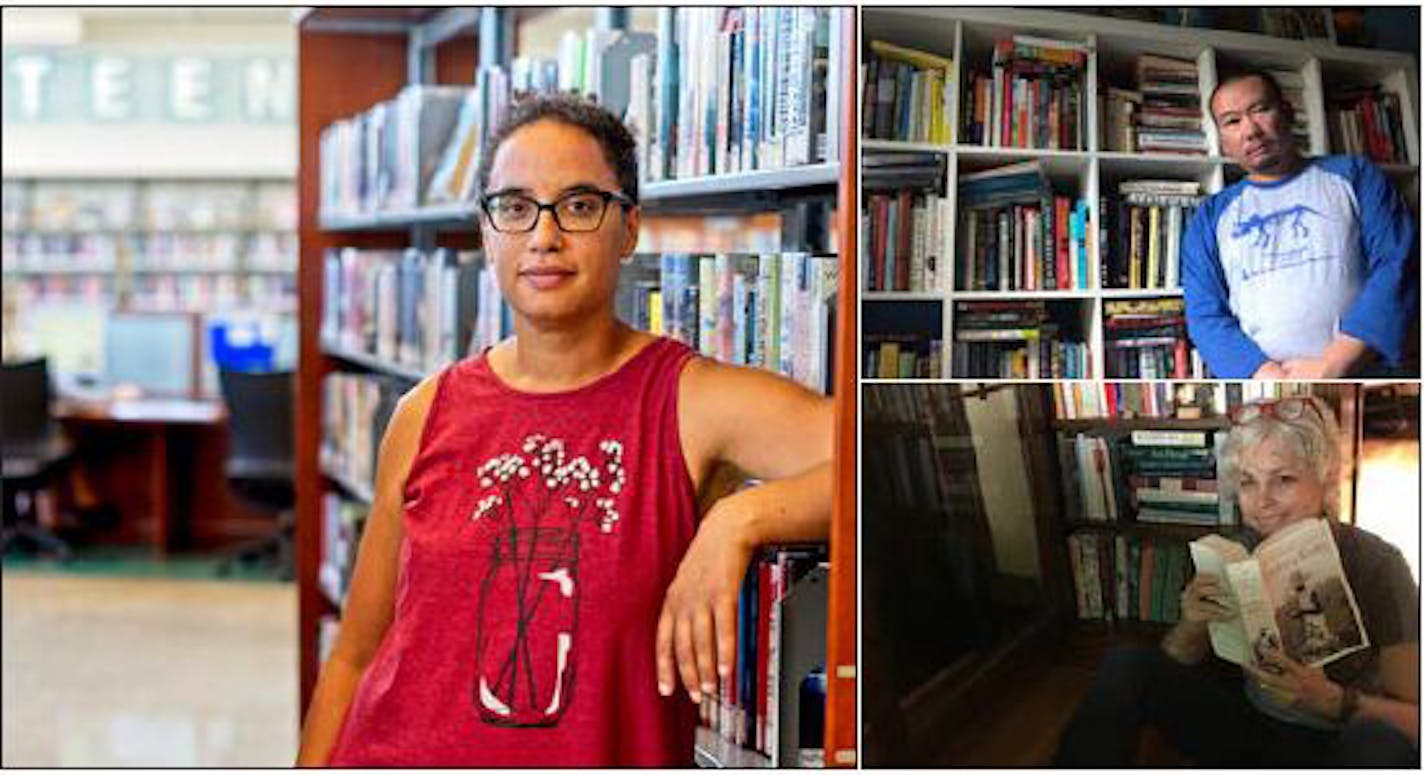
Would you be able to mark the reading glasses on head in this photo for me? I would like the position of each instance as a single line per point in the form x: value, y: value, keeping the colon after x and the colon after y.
x: 1287, y: 409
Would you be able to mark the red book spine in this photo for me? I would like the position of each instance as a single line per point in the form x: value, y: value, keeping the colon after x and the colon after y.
x: 763, y: 636
x: 903, y: 240
x: 880, y: 209
x: 1060, y: 241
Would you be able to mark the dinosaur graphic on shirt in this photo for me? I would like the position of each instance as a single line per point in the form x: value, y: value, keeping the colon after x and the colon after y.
x: 1279, y: 240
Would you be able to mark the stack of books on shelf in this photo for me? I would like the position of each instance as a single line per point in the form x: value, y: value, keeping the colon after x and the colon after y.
x: 355, y: 411
x: 1147, y: 339
x: 1128, y: 577
x: 906, y: 222
x: 416, y: 309
x: 1170, y: 120
x: 903, y: 356
x: 1367, y: 121
x: 906, y: 95
x: 1014, y: 340
x: 1034, y: 96
x: 1292, y: 85
x: 1117, y: 128
x: 342, y: 522
x: 748, y: 712
x: 1172, y: 477
x: 904, y: 469
x: 1146, y: 223
x: 1017, y: 235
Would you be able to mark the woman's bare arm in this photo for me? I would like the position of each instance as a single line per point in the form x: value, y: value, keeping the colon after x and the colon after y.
x: 370, y: 601
x: 774, y: 430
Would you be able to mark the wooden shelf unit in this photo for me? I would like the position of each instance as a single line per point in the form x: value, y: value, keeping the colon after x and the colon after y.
x: 965, y: 34
x: 350, y: 60
x: 1055, y: 511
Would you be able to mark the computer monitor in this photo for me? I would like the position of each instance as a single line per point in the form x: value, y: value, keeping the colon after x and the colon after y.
x: 155, y: 351
x: 70, y: 335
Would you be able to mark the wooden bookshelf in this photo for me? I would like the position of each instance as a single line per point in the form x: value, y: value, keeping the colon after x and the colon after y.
x: 351, y: 59
x: 1063, y: 518
x: 965, y: 35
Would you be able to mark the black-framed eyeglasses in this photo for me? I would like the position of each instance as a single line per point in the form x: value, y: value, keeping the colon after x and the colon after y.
x: 577, y: 211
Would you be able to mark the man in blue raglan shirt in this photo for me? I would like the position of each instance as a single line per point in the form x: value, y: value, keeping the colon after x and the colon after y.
x: 1307, y: 268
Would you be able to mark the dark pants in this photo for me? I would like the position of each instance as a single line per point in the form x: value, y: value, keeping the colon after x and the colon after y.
x: 1205, y: 714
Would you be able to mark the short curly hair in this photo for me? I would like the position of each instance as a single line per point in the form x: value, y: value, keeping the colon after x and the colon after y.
x: 1312, y: 438
x: 620, y: 150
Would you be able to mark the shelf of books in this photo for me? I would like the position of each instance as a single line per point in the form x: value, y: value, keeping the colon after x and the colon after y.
x: 1029, y: 176
x: 151, y: 245
x: 394, y: 288
x: 1141, y: 478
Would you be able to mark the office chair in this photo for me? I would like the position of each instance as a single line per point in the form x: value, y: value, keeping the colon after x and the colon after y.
x: 34, y: 450
x: 261, y: 463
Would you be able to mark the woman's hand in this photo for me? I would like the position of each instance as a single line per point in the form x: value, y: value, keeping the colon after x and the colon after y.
x: 1306, y: 688
x: 697, y: 630
x: 1206, y: 599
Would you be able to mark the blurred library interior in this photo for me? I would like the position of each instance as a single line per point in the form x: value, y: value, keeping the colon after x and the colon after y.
x: 234, y: 237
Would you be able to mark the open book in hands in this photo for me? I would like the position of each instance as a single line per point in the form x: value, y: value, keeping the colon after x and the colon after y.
x: 1291, y: 594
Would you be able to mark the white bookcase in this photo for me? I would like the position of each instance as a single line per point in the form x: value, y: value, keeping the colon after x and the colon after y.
x: 967, y: 35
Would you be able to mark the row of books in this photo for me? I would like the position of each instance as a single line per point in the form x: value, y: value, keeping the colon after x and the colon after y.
x: 1147, y: 476
x: 748, y: 712
x: 208, y: 292
x: 903, y: 469
x: 417, y: 309
x: 342, y: 522
x: 1042, y: 357
x: 1127, y: 400
x: 906, y: 237
x: 906, y: 95
x: 421, y: 148
x: 1016, y: 234
x: 1128, y: 577
x: 1033, y: 97
x: 1145, y: 225
x: 56, y: 205
x: 774, y: 311
x: 903, y: 356
x: 1367, y: 121
x: 172, y: 250
x: 908, y: 403
x: 1015, y: 340
x: 1147, y: 339
x: 355, y: 411
x: 739, y: 89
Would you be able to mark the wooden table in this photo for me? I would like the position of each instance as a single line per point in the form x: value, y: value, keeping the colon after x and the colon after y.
x: 104, y: 429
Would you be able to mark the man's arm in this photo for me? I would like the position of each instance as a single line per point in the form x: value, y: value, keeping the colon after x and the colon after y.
x: 1389, y: 298
x: 774, y: 430
x: 1228, y: 352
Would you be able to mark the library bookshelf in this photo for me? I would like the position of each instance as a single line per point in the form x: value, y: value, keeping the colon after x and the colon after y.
x: 966, y: 37
x: 392, y: 48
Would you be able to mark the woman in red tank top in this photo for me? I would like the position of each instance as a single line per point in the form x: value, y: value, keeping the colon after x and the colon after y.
x: 534, y: 584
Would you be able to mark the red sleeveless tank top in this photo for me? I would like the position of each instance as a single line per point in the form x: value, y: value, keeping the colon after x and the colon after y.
x: 541, y: 533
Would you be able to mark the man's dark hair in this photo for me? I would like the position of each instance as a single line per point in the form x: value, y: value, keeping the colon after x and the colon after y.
x: 1272, y: 85
x: 620, y: 150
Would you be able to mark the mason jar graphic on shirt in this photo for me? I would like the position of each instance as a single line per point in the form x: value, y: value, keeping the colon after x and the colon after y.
x: 539, y: 506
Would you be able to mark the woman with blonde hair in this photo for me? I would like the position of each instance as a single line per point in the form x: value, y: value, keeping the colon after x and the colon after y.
x: 1282, y: 460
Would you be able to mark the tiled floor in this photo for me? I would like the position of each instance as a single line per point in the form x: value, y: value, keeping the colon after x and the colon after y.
x: 130, y: 672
